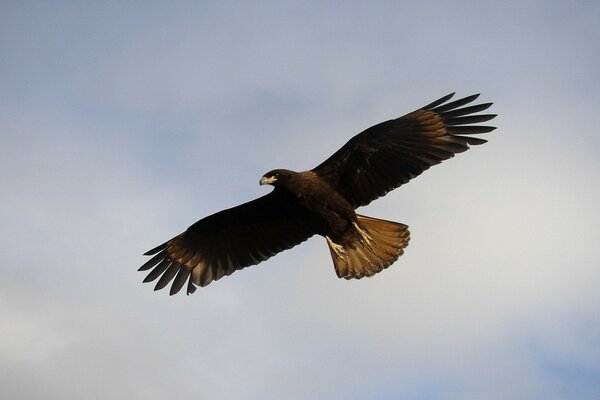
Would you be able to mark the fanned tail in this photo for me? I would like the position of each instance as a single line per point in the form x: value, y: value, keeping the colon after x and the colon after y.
x: 381, y: 243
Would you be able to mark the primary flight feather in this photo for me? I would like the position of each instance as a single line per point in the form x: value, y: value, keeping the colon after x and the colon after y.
x: 323, y: 201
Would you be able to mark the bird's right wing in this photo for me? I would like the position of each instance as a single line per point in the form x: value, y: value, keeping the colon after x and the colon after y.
x: 391, y: 153
x: 230, y: 240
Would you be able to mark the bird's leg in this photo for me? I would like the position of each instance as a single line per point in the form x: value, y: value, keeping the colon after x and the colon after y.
x: 338, y: 249
x: 364, y: 237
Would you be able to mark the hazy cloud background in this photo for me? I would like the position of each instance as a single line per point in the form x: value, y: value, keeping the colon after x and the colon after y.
x: 121, y: 123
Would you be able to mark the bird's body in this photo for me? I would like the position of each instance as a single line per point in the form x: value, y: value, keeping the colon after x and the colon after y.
x: 322, y: 201
x: 357, y: 246
x: 334, y: 214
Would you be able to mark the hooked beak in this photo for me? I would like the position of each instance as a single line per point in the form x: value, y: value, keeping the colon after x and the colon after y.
x: 267, y: 180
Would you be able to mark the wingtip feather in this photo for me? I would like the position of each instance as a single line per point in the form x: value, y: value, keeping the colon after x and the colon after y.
x: 439, y: 101
x: 156, y: 249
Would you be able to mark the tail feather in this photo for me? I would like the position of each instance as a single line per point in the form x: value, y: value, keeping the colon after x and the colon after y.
x: 385, y: 242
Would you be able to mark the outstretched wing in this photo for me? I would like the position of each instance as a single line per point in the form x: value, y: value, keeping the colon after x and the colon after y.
x: 393, y: 152
x: 230, y: 240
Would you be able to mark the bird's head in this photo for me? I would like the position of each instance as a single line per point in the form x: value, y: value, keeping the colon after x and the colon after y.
x: 277, y: 177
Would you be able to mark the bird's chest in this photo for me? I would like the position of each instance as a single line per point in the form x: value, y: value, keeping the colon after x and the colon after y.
x: 330, y: 207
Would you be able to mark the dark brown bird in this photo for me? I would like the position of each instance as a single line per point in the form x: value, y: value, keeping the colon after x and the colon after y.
x: 322, y: 201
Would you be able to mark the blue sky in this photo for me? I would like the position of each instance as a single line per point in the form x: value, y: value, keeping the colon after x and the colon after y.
x: 121, y: 123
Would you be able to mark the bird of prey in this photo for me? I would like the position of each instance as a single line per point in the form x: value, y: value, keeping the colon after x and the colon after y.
x: 322, y: 201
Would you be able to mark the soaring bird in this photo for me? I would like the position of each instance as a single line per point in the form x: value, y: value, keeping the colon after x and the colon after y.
x: 322, y: 201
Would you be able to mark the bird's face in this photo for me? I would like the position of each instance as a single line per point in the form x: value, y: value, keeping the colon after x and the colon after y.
x: 270, y: 178
x: 275, y: 177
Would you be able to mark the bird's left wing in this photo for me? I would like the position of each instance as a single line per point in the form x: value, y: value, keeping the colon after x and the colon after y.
x: 230, y: 240
x: 391, y: 153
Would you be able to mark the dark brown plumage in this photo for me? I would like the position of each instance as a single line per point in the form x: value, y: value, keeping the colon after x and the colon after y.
x: 322, y: 201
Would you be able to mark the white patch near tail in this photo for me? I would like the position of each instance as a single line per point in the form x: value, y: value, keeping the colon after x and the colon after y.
x: 381, y: 243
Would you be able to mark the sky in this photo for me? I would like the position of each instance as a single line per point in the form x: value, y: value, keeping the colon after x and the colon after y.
x: 122, y: 123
